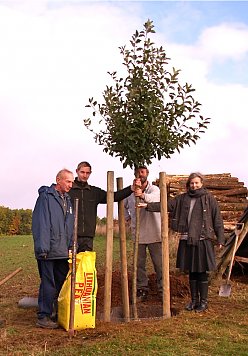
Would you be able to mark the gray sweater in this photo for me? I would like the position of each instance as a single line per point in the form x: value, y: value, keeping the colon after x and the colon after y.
x: 150, y: 223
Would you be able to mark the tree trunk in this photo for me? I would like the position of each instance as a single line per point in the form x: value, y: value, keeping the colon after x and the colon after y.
x: 135, y: 260
x: 123, y: 255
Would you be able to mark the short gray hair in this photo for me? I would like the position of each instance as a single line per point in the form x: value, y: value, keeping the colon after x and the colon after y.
x: 61, y: 173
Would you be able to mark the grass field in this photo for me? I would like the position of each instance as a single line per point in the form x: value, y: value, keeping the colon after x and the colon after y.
x: 222, y: 330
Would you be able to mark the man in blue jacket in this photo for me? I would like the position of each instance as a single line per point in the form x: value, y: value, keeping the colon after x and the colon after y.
x: 52, y: 227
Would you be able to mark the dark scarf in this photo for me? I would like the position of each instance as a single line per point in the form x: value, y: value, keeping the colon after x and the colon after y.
x: 196, y: 193
x: 194, y: 227
x: 196, y: 221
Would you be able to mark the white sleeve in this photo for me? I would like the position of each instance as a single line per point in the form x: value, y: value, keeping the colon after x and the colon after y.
x: 153, y: 194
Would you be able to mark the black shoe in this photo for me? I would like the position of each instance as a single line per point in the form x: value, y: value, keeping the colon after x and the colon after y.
x: 202, y: 307
x: 142, y: 295
x: 47, y: 323
x: 192, y: 306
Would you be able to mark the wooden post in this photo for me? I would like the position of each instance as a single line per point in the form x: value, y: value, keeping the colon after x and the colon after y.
x: 73, y: 271
x: 123, y: 255
x: 109, y: 246
x: 165, y: 245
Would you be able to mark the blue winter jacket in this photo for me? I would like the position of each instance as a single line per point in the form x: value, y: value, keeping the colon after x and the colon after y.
x: 52, y: 228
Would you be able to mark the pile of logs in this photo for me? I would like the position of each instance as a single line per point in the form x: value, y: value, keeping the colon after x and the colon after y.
x: 229, y: 192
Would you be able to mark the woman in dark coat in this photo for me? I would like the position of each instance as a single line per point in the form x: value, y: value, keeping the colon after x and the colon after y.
x: 196, y: 216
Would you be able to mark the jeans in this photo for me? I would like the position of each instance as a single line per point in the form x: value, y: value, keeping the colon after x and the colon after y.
x: 52, y: 275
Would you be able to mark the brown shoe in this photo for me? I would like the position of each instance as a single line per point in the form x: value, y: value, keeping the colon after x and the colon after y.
x: 47, y: 323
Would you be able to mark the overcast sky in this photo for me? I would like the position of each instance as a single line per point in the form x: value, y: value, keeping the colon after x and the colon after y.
x: 56, y: 54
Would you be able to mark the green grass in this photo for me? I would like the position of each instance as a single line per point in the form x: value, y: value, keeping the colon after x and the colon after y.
x: 100, y: 248
x: 223, y: 330
x: 17, y: 251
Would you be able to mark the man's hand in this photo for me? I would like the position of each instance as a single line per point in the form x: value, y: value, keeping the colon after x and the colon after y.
x: 138, y: 193
x: 142, y: 205
x: 136, y: 184
x: 42, y: 256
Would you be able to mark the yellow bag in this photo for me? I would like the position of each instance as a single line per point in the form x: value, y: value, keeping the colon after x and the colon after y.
x: 85, y: 294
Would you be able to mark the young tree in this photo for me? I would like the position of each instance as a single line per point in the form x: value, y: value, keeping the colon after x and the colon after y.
x: 146, y: 115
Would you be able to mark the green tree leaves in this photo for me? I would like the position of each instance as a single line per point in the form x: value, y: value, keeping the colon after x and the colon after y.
x: 148, y: 114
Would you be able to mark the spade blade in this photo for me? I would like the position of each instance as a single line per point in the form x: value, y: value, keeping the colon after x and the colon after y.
x: 225, y: 290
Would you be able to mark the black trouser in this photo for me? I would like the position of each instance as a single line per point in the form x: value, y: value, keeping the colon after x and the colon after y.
x: 198, y: 276
x: 85, y: 243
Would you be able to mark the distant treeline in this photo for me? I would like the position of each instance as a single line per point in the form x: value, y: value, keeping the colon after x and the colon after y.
x: 19, y: 221
x: 15, y: 222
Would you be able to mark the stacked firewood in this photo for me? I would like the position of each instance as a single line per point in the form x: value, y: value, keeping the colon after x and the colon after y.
x: 229, y: 192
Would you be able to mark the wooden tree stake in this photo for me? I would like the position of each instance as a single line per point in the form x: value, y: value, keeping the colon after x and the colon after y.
x: 71, y: 330
x: 165, y: 246
x: 109, y: 246
x: 12, y: 274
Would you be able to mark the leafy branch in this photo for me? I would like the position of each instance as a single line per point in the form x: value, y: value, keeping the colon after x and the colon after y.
x: 148, y: 114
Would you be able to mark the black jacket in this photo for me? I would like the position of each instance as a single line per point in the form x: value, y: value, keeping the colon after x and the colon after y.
x: 89, y: 197
x: 210, y: 224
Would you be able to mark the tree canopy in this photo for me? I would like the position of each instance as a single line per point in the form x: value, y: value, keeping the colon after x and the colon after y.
x: 148, y: 114
x: 15, y: 222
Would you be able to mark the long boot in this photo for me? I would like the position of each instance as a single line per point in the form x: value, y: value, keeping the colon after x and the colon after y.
x: 203, y: 289
x: 194, y: 295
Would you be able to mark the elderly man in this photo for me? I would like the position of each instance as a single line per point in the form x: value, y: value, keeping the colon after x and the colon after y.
x: 52, y: 226
x: 150, y: 232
